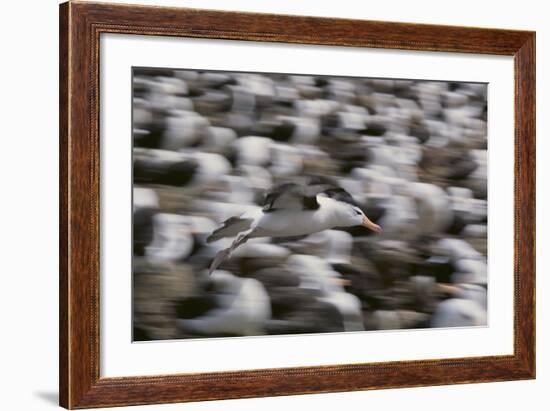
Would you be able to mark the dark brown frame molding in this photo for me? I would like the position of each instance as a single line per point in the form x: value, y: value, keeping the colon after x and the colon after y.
x: 80, y: 27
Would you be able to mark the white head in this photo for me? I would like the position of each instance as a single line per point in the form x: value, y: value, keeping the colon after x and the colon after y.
x: 347, y: 215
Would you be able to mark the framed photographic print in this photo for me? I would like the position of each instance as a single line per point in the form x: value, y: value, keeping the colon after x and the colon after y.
x: 258, y: 205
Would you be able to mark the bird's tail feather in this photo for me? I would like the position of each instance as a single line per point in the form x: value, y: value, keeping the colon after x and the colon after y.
x: 230, y: 228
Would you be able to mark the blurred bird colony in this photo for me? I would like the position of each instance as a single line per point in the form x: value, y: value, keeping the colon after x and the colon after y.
x: 208, y: 146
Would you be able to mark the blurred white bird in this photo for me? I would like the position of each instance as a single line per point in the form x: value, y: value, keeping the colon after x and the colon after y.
x: 316, y: 274
x: 243, y: 307
x: 467, y: 308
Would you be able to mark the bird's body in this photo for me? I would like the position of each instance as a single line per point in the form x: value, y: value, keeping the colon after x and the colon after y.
x: 291, y: 210
x: 290, y: 223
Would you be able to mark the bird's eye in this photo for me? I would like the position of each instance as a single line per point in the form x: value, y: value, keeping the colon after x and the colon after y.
x: 357, y: 211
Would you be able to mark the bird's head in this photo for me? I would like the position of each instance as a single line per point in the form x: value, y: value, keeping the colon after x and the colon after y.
x: 350, y: 216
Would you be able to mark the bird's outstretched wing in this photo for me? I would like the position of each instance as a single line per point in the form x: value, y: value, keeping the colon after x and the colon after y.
x: 290, y: 196
x: 339, y: 194
x: 328, y: 187
x: 226, y: 252
x: 230, y: 228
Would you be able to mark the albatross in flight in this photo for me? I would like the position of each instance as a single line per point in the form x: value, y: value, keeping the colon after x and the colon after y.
x: 292, y: 210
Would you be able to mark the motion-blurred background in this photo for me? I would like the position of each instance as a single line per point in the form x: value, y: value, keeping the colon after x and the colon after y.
x: 208, y: 145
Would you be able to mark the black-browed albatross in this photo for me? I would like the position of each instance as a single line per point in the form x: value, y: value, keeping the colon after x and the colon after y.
x: 292, y: 210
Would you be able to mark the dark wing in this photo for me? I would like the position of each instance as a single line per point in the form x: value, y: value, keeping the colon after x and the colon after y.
x: 339, y: 194
x: 230, y: 228
x: 328, y: 187
x: 291, y: 196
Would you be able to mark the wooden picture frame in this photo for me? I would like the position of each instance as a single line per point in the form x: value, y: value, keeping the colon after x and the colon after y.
x: 80, y: 27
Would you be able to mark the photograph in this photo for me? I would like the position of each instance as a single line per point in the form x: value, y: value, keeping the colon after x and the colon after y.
x: 279, y: 203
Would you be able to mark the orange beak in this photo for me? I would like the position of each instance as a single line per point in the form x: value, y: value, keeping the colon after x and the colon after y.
x: 371, y: 226
x: 341, y: 281
x: 452, y: 290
